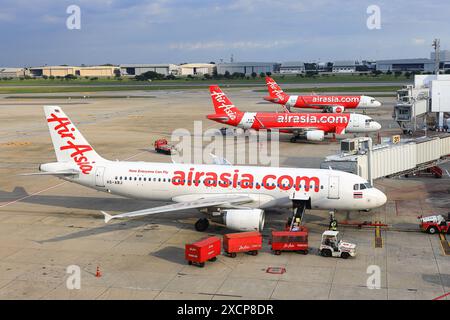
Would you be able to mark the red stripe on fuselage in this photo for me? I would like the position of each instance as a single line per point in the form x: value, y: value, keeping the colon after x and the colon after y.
x: 315, y: 102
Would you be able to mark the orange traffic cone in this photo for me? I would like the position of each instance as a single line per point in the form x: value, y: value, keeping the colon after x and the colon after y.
x: 98, y: 274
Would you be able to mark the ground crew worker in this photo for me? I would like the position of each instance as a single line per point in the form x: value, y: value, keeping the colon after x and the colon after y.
x: 296, y: 226
x: 333, y: 225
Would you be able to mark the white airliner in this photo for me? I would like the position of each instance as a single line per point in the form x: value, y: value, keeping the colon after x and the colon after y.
x: 234, y: 196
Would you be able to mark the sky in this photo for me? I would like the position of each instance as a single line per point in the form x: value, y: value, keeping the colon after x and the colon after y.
x: 176, y: 31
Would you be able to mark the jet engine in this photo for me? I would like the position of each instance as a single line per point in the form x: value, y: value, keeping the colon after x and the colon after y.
x: 337, y: 109
x: 334, y: 109
x: 315, y: 135
x: 240, y: 219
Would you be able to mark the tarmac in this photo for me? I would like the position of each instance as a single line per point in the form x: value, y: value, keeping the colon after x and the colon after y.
x: 47, y: 225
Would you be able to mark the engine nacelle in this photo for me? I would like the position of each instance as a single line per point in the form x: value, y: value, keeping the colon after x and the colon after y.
x: 315, y: 135
x: 337, y: 109
x: 241, y: 219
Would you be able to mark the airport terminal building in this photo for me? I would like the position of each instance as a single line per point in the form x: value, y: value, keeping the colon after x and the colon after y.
x: 418, y: 64
x: 344, y: 66
x: 292, y: 67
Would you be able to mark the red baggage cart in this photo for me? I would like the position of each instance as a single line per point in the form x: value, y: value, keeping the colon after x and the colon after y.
x: 290, y: 241
x: 249, y: 242
x: 201, y: 251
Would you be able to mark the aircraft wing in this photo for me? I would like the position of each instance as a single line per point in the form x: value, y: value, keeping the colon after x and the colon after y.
x: 194, y: 204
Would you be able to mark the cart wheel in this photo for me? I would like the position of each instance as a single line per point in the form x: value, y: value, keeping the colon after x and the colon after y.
x: 255, y: 253
x: 277, y: 252
x: 190, y: 263
x: 233, y: 254
x: 345, y: 255
x: 432, y: 230
x: 201, y: 264
x: 305, y: 252
x: 326, y: 253
x: 213, y: 259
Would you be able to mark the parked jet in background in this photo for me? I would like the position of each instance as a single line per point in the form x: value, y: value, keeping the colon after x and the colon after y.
x: 309, y: 126
x: 234, y: 196
x: 328, y: 103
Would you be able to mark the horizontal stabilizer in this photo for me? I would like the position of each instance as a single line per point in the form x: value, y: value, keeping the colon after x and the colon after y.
x: 54, y: 173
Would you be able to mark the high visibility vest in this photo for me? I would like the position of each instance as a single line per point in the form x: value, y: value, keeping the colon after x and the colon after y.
x: 333, y: 225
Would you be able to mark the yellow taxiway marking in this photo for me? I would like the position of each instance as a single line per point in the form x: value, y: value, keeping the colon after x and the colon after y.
x: 378, y: 238
x: 444, y: 244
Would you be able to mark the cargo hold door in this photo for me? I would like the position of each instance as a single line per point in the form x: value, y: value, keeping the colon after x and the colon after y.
x: 99, y: 173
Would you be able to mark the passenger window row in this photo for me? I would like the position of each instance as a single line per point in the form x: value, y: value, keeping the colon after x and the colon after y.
x: 145, y: 179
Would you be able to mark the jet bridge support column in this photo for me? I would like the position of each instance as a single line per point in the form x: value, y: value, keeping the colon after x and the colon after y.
x: 369, y: 161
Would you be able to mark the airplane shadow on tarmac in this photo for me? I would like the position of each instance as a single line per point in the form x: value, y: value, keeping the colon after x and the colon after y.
x: 275, y: 218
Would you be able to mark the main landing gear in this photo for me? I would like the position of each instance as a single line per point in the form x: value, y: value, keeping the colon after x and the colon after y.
x: 202, y: 224
x: 295, y: 138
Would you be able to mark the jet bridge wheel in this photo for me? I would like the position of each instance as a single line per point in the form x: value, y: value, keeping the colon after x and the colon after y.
x: 202, y: 224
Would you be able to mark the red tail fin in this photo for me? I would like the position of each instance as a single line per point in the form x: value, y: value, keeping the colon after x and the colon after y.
x: 274, y: 90
x: 222, y: 104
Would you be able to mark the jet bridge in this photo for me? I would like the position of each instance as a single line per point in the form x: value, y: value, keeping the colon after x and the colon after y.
x: 395, y: 158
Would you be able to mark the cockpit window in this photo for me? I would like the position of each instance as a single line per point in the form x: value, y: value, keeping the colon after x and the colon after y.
x: 363, y: 186
x: 356, y: 187
x: 372, y: 100
x: 369, y: 120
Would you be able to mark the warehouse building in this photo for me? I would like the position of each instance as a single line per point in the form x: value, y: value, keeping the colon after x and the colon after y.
x: 138, y: 69
x: 248, y: 68
x: 418, y: 64
x: 197, y: 69
x: 293, y: 67
x: 97, y: 71
x: 55, y: 71
x: 62, y: 71
x: 13, y: 72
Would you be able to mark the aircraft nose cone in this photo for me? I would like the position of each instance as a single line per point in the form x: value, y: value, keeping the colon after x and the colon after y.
x: 381, y: 198
x: 376, y: 126
x: 377, y: 104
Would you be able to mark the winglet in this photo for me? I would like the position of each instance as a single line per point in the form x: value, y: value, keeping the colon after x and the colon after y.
x: 108, y: 217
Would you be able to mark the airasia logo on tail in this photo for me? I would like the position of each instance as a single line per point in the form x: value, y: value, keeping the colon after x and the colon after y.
x: 221, y: 101
x: 65, y: 131
x: 275, y: 90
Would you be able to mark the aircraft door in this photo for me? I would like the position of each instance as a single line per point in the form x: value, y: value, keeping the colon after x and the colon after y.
x: 333, y: 187
x: 99, y: 174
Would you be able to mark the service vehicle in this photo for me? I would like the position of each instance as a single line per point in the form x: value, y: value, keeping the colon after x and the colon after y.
x: 333, y: 246
x: 435, y: 224
x: 163, y: 146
